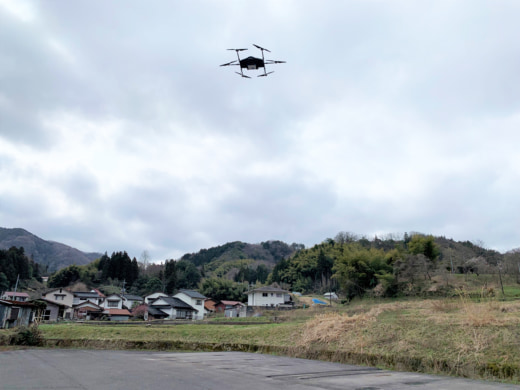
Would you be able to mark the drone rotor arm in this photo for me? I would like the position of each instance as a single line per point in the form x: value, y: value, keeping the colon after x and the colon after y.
x: 230, y: 63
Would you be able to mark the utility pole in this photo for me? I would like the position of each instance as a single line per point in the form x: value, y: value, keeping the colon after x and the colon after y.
x: 500, y: 276
x: 17, y: 280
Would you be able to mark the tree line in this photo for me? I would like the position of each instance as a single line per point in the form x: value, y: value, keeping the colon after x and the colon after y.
x: 389, y: 267
x: 350, y: 265
x: 16, y: 266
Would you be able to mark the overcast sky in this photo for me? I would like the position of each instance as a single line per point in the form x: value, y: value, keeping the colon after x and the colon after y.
x: 119, y: 130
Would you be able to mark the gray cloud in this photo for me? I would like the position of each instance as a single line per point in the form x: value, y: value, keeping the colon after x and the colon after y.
x: 119, y: 131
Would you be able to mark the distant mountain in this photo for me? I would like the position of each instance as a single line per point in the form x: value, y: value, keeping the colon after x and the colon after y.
x: 47, y: 253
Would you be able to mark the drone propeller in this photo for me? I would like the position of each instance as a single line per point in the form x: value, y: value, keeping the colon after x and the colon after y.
x: 261, y: 48
x: 237, y: 49
x: 229, y: 63
x: 274, y: 62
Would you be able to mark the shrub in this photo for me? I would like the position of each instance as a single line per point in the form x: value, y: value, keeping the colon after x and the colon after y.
x: 28, y: 335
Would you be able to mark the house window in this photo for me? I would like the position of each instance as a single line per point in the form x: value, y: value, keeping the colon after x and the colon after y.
x: 113, y: 303
x: 59, y: 297
x: 47, y: 315
x: 199, y: 302
x: 278, y: 295
x: 265, y: 294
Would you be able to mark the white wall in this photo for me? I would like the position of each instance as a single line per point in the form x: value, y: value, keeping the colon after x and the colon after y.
x: 199, y: 315
x: 113, y: 299
x: 272, y: 299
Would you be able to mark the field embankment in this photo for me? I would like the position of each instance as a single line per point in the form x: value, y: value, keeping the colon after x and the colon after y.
x: 456, y: 337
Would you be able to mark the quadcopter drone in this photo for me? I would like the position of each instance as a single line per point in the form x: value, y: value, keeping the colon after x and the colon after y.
x: 252, y: 63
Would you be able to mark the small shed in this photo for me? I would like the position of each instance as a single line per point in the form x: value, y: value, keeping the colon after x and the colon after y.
x: 117, y: 314
x: 231, y: 308
x: 14, y: 313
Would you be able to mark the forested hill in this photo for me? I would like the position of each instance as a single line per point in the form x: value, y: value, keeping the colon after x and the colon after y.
x: 48, y: 254
x: 414, y: 264
x: 268, y: 251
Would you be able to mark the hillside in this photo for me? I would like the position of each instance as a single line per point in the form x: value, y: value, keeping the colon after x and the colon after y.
x: 50, y: 254
x: 414, y: 265
x: 242, y: 258
x: 269, y: 251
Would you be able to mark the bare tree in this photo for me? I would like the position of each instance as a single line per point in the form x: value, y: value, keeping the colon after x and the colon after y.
x: 145, y: 259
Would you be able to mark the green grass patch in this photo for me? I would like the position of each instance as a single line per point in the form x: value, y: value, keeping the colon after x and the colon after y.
x: 456, y: 336
x: 266, y: 334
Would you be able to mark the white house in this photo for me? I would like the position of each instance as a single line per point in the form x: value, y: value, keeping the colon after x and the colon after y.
x: 113, y: 301
x: 172, y: 307
x: 62, y: 297
x: 268, y: 296
x: 91, y: 296
x: 130, y: 301
x: 149, y: 298
x: 195, y: 300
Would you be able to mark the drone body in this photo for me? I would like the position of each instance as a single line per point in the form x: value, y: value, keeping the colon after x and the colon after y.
x: 252, y: 63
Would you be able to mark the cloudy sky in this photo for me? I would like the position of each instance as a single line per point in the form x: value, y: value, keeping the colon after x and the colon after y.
x: 119, y: 130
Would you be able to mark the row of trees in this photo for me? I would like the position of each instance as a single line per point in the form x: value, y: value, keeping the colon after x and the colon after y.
x: 117, y: 272
x: 358, y: 266
x: 15, y: 265
x: 348, y: 264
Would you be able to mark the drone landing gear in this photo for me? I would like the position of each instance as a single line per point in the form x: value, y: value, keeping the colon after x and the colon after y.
x: 265, y: 73
x: 242, y: 74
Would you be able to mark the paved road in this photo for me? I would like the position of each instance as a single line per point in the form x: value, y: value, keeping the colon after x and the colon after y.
x: 128, y: 370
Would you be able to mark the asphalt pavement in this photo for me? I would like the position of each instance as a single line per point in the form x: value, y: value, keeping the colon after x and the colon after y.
x: 127, y: 370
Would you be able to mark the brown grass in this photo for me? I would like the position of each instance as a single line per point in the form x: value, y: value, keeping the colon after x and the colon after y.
x: 449, y: 336
x: 455, y: 336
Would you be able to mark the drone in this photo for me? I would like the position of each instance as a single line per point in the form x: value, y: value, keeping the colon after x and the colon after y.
x: 252, y: 63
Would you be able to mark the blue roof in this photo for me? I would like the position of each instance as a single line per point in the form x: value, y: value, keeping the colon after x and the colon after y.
x: 318, y: 301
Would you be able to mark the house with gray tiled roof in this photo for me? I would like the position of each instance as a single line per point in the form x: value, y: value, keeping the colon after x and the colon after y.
x: 130, y: 301
x: 173, y: 307
x: 195, y: 300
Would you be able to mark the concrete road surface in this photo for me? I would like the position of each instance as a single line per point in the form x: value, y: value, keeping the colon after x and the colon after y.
x: 128, y: 370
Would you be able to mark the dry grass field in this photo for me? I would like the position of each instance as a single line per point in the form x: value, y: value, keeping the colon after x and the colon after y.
x: 456, y: 336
